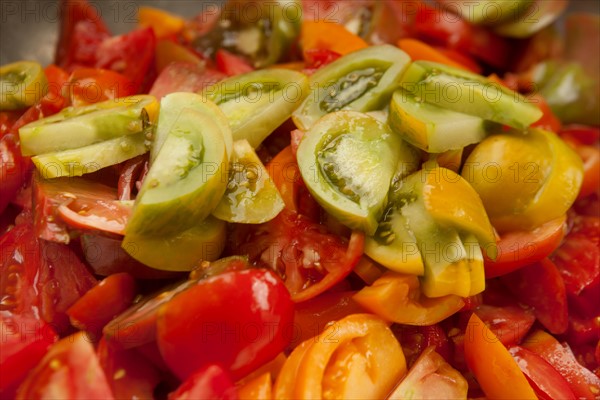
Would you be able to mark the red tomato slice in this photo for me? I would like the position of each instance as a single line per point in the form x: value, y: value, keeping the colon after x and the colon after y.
x: 13, y: 169
x: 107, y: 216
x: 129, y: 374
x: 541, y: 287
x: 549, y: 120
x: 584, y: 134
x: 70, y: 370
x: 239, y: 319
x: 92, y: 85
x: 25, y: 340
x: 231, y: 64
x: 416, y: 339
x: 521, y: 248
x: 131, y: 172
x: 591, y: 169
x: 578, y: 260
x: 309, y: 258
x: 509, y: 323
x: 183, y: 76
x: 582, y: 381
x: 209, y: 382
x: 110, y: 297
x: 545, y: 380
x: 82, y: 30
x: 131, y: 54
x: 8, y: 119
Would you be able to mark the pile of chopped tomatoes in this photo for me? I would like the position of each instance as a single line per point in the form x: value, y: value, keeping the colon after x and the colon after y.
x: 281, y: 314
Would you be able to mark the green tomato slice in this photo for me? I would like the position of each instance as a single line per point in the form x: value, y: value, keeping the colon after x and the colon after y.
x: 435, y: 129
x: 536, y: 17
x: 363, y: 81
x: 186, y: 180
x: 488, y: 12
x: 347, y: 160
x: 22, y: 84
x: 170, y: 108
x: 258, y: 102
x: 75, y: 127
x: 251, y: 196
x: 88, y: 159
x: 468, y: 93
x: 179, y: 251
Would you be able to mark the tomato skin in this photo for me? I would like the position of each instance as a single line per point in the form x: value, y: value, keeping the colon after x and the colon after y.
x: 520, y: 248
x: 13, y: 169
x: 131, y: 172
x: 111, y: 296
x: 93, y: 85
x: 208, y: 382
x: 540, y: 286
x: 290, y: 243
x: 25, y: 340
x: 231, y: 64
x: 416, y: 339
x: 545, y: 380
x: 509, y: 323
x: 578, y: 260
x: 221, y: 310
x: 70, y: 370
x: 183, y: 76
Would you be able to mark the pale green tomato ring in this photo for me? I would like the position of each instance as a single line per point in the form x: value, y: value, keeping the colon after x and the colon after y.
x: 347, y: 160
x: 258, y: 102
x: 171, y: 107
x: 88, y: 159
x: 22, y: 84
x: 76, y: 127
x: 367, y: 78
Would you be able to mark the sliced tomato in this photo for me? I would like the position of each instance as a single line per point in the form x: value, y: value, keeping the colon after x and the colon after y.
x: 13, y: 169
x: 308, y: 257
x: 549, y: 120
x: 588, y: 135
x: 311, y: 317
x: 318, y: 58
x: 25, y: 340
x: 183, y: 76
x: 540, y: 286
x: 578, y: 260
x: 520, y: 248
x: 110, y: 297
x: 8, y: 119
x: 509, y: 323
x: 93, y: 85
x: 442, y: 27
x: 591, y: 169
x: 169, y: 51
x: 129, y: 374
x: 131, y: 54
x: 107, y: 216
x: 82, y: 30
x: 131, y: 173
x: 208, y: 382
x: 582, y: 381
x: 231, y: 64
x: 70, y: 370
x: 496, y: 371
x: 543, y: 377
x: 239, y: 319
x: 416, y: 339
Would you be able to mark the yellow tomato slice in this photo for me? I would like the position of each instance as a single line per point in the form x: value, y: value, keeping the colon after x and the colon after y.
x: 397, y: 297
x: 495, y: 369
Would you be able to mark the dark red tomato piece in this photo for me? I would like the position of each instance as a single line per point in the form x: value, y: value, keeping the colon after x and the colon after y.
x: 541, y: 287
x: 25, y: 340
x: 312, y: 316
x: 317, y: 58
x: 93, y: 214
x: 13, y: 169
x: 510, y: 323
x: 131, y: 172
x: 7, y: 120
x: 104, y: 254
x: 543, y: 377
x: 70, y: 370
x: 93, y: 85
x: 578, y: 260
x: 309, y: 258
x: 521, y: 248
x: 415, y: 339
x: 129, y: 374
x: 239, y: 319
x: 549, y: 120
x: 588, y: 135
x: 182, y: 76
x: 99, y: 305
x: 131, y: 54
x: 231, y: 64
x: 583, y: 330
x: 208, y: 382
x: 586, y: 225
x: 582, y: 381
x: 442, y: 27
x: 81, y: 32
x: 590, y: 155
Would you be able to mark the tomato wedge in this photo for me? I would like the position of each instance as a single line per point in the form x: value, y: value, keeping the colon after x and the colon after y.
x: 308, y: 257
x: 520, y: 248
